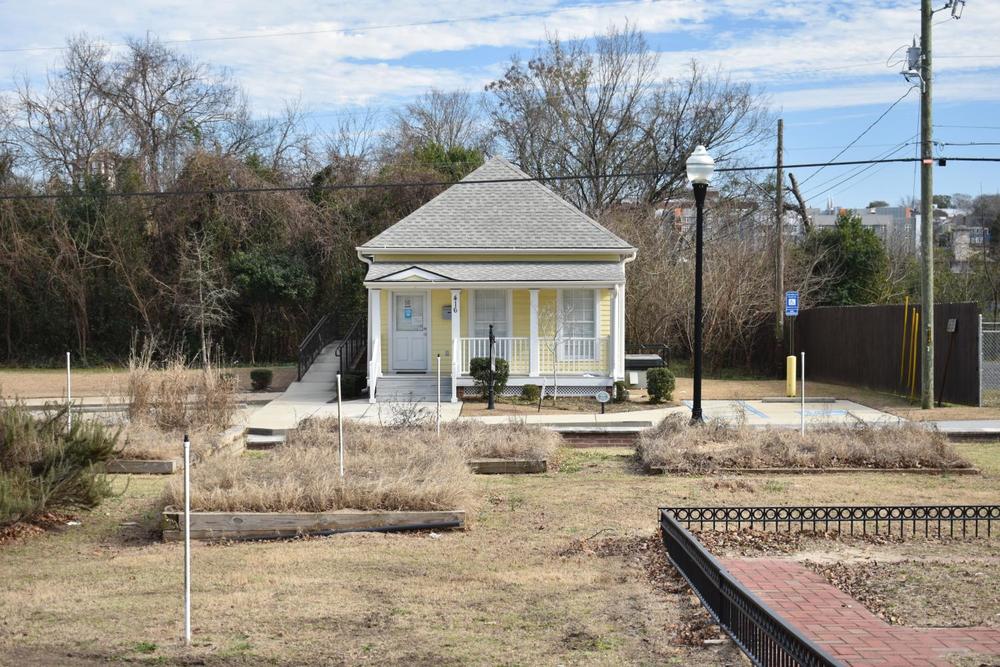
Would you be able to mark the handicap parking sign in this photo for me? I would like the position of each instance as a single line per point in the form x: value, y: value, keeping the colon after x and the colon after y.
x: 791, y: 304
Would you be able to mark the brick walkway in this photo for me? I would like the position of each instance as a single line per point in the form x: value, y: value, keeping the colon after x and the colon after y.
x: 842, y: 625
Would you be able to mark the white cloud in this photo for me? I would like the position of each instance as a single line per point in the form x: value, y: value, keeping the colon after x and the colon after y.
x: 808, y: 54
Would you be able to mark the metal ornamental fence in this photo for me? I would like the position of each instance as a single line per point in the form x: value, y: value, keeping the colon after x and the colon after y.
x: 989, y: 363
x: 964, y: 520
x: 763, y: 635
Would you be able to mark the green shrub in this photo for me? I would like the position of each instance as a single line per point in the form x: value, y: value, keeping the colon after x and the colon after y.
x: 660, y: 384
x: 351, y: 384
x: 621, y: 391
x: 260, y: 378
x: 46, y: 468
x: 479, y: 369
x: 531, y: 392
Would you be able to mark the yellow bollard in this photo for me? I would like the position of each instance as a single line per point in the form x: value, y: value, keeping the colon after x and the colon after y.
x: 790, y: 376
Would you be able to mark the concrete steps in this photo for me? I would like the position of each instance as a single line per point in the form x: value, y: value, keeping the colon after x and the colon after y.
x: 411, y: 388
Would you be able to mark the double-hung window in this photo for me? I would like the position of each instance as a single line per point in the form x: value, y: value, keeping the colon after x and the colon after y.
x: 490, y: 307
x: 578, y: 324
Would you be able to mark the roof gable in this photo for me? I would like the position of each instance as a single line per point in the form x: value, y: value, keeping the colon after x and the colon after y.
x: 501, y: 211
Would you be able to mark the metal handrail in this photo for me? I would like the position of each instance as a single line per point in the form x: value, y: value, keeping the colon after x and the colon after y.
x: 354, y: 341
x: 314, y: 342
x: 765, y: 637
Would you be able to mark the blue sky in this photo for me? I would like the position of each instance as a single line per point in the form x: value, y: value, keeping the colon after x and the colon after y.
x: 822, y: 64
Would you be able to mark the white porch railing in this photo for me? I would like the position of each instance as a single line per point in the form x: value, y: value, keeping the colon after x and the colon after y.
x: 574, y: 356
x: 514, y: 350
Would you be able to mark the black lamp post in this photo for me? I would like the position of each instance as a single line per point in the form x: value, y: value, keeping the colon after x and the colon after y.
x: 490, y: 405
x: 699, y: 171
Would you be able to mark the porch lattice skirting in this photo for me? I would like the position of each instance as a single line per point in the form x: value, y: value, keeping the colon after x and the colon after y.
x: 560, y: 390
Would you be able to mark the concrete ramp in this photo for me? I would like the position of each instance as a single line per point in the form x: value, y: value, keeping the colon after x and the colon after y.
x: 300, y: 401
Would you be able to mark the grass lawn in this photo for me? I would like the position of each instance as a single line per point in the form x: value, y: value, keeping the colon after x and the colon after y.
x: 514, y: 589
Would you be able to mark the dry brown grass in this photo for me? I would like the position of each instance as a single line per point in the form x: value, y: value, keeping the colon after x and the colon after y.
x: 676, y: 445
x: 513, y: 440
x: 146, y: 441
x: 385, y: 469
x: 174, y: 398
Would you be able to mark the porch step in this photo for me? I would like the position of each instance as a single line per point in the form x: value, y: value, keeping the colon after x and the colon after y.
x: 411, y: 388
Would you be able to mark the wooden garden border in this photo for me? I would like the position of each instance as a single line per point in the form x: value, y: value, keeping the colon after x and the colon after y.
x: 264, y: 525
x: 231, y: 440
x: 507, y: 466
x: 660, y: 470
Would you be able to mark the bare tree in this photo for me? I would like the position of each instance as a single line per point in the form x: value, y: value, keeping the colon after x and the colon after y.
x: 204, y: 299
x: 600, y: 111
x: 70, y: 129
x: 448, y: 119
x: 169, y: 104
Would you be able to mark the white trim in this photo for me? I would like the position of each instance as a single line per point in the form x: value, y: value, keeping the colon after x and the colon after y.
x: 505, y: 284
x: 471, y: 321
x: 414, y: 272
x: 534, y: 368
x: 564, y: 380
x: 456, y: 333
x: 374, y: 341
x: 428, y: 333
x: 372, y: 250
x: 597, y: 323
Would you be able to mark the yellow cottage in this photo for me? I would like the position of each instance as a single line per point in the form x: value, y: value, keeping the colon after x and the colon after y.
x: 495, y: 249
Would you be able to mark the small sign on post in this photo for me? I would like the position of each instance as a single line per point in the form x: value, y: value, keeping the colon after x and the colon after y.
x: 791, y: 304
x: 602, y: 397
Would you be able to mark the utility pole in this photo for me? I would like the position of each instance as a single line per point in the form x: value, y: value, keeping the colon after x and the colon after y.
x: 779, y: 259
x: 926, y: 209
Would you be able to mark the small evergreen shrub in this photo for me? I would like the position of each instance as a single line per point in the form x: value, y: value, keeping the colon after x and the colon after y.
x: 621, y: 391
x: 531, y: 392
x: 660, y: 384
x: 45, y: 467
x: 479, y: 368
x: 260, y: 378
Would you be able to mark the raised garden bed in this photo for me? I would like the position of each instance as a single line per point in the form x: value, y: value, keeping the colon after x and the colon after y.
x: 675, y: 446
x: 507, y: 466
x: 660, y: 470
x: 134, y: 463
x: 264, y: 525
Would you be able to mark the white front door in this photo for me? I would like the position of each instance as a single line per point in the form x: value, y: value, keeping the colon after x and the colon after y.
x: 409, y: 343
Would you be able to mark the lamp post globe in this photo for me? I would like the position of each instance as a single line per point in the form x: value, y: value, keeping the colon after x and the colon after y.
x: 700, y: 167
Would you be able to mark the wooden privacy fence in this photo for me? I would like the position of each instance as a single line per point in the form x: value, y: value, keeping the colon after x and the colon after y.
x: 872, y: 346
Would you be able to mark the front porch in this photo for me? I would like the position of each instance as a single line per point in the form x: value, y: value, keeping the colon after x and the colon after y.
x: 569, y: 338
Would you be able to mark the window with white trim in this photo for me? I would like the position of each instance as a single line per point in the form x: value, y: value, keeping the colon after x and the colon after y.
x: 489, y: 307
x: 578, y: 324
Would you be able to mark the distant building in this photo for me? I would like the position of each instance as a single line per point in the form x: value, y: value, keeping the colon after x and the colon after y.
x: 896, y: 226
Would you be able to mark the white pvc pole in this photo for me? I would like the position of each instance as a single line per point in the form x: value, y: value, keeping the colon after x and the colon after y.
x: 187, y: 541
x: 340, y: 426
x: 69, y: 395
x: 803, y: 411
x: 439, y: 398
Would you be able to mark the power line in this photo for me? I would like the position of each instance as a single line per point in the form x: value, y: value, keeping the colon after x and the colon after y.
x: 855, y: 173
x: 412, y: 184
x: 895, y: 148
x: 863, y: 133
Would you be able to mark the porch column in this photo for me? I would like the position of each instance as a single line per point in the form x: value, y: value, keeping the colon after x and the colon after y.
x: 533, y: 366
x: 374, y: 340
x: 456, y: 333
x: 617, y: 352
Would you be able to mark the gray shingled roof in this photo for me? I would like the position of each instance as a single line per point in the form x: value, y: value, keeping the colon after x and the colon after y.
x: 512, y: 215
x: 506, y: 272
